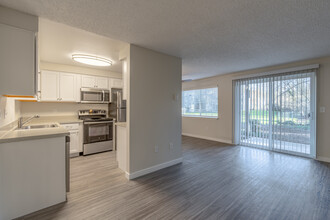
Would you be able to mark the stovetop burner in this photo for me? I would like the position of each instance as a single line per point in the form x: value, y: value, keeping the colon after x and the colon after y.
x: 98, y: 119
x: 93, y: 115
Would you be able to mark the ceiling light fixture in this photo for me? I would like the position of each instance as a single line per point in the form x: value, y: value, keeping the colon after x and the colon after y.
x: 91, y: 60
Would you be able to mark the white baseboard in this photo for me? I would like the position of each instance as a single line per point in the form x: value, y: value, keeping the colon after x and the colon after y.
x: 324, y: 159
x: 209, y: 138
x: 152, y: 169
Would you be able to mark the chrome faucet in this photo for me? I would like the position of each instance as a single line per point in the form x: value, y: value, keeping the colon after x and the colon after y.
x: 21, y: 123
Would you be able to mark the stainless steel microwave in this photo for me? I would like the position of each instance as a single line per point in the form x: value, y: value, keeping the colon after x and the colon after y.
x: 91, y: 95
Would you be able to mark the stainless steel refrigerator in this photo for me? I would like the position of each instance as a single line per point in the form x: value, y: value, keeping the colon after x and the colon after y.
x: 117, y: 106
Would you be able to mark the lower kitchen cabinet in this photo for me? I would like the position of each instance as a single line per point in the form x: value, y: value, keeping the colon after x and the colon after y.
x: 31, y: 180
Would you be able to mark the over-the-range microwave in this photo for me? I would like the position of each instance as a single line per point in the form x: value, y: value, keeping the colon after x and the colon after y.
x: 91, y: 95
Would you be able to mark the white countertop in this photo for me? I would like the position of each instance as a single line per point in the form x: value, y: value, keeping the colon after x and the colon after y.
x: 21, y: 135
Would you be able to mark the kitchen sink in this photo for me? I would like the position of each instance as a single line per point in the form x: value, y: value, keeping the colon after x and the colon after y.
x: 28, y: 127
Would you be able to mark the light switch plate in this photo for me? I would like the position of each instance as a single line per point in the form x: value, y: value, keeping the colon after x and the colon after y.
x: 322, y: 109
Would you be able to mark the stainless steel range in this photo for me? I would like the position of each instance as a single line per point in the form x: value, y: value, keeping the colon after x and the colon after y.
x: 98, y: 131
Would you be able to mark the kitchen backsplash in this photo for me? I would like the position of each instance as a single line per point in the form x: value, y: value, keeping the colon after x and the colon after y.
x: 9, y: 110
x: 56, y: 109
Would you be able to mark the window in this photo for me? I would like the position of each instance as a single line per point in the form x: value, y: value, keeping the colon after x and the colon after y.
x: 200, y: 103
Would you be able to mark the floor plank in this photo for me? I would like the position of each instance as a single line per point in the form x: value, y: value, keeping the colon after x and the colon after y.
x: 215, y: 181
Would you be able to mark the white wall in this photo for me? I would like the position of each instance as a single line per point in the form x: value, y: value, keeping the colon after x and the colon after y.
x: 154, y: 116
x: 9, y: 110
x: 222, y: 129
x: 56, y: 109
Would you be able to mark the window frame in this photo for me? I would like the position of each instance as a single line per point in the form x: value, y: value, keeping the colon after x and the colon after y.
x: 200, y: 112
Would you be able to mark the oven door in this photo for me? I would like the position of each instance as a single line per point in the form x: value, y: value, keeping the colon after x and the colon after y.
x: 89, y: 95
x: 97, y: 131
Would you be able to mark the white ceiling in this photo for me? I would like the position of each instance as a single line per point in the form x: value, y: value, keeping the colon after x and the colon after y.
x: 57, y: 43
x: 212, y: 36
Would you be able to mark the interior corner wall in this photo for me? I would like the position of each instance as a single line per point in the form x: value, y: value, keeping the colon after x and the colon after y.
x: 154, y: 108
x: 222, y: 129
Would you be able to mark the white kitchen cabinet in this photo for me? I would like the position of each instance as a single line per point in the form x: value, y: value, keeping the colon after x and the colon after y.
x: 67, y: 87
x: 94, y: 82
x: 117, y: 83
x: 102, y: 82
x: 74, y: 142
x: 56, y: 86
x: 49, y: 86
x: 76, y: 138
x: 88, y: 81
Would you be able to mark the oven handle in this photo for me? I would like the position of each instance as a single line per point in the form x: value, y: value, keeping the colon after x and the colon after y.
x: 99, y: 122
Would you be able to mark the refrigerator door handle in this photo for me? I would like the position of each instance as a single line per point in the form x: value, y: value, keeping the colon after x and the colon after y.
x: 119, y: 100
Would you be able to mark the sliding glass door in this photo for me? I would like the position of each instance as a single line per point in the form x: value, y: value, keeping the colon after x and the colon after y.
x: 276, y: 112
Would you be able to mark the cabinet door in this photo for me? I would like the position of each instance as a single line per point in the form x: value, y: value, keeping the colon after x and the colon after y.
x: 17, y: 61
x: 88, y: 82
x: 74, y: 142
x: 49, y: 86
x: 67, y: 87
x: 102, y: 82
x: 117, y: 83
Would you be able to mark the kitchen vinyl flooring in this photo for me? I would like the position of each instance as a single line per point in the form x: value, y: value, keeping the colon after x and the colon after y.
x: 215, y: 181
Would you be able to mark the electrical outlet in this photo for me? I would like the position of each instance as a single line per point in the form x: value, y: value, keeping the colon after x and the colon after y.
x: 156, y: 149
x: 322, y: 109
x: 171, y: 146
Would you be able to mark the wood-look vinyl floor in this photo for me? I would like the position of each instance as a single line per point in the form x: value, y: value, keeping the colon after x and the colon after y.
x: 215, y: 181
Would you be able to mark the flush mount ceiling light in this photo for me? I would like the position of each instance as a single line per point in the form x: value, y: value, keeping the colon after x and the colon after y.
x: 91, y: 60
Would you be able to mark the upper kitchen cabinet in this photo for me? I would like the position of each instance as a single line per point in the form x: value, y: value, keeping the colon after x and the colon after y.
x: 49, y: 86
x: 57, y: 86
x: 18, y: 54
x: 94, y: 82
x: 88, y: 81
x: 67, y: 87
x: 115, y: 83
x: 102, y: 82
